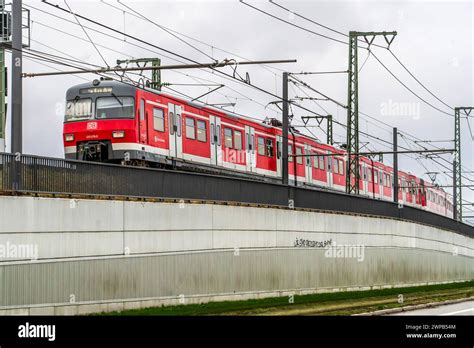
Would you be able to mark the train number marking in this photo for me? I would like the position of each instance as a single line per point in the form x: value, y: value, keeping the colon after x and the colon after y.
x: 92, y: 125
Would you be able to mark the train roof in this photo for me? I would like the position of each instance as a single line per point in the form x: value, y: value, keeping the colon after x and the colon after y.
x: 98, y: 87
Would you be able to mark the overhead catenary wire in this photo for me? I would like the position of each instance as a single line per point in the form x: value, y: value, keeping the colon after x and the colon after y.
x: 373, y: 44
x: 166, y: 30
x: 87, y: 34
x: 144, y: 48
x: 293, y: 24
x: 408, y: 88
x: 346, y: 43
x: 307, y: 30
x: 211, y: 46
x: 229, y: 78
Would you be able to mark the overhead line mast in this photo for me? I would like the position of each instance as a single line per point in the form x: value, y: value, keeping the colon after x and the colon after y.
x: 457, y: 167
x: 352, y: 170
x: 5, y: 19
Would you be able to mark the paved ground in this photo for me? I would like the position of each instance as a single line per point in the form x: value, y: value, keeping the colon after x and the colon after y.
x: 462, y: 308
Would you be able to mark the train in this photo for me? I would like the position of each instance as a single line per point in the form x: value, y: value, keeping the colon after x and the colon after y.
x: 114, y: 122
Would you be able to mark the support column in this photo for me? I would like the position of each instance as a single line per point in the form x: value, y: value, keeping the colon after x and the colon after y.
x: 395, y: 165
x: 284, y: 168
x: 3, y: 94
x: 17, y: 83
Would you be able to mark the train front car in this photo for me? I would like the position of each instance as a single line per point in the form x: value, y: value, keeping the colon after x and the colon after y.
x: 99, y: 117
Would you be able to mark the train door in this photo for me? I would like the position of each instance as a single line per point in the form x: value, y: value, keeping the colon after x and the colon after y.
x: 216, y: 141
x: 401, y: 190
x: 308, y: 164
x: 251, y: 160
x: 175, y: 130
x: 363, y: 177
x: 422, y: 192
x: 279, y: 154
x: 381, y: 184
x: 329, y: 161
x: 142, y: 122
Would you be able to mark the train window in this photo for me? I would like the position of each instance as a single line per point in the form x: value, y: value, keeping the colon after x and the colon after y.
x: 201, y: 131
x: 315, y: 162
x: 341, y: 167
x: 381, y: 177
x: 228, y: 138
x: 252, y: 142
x: 336, y: 166
x: 171, y: 122
x: 290, y: 152
x: 238, y: 140
x: 190, y: 128
x: 218, y: 134
x: 261, y: 146
x: 269, y: 147
x: 376, y: 177
x: 299, y: 159
x: 321, y: 163
x: 178, y: 124
x: 117, y: 107
x: 158, y: 119
x: 142, y: 109
x: 80, y: 109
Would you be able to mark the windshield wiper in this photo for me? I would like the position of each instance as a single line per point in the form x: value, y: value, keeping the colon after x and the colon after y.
x: 117, y: 98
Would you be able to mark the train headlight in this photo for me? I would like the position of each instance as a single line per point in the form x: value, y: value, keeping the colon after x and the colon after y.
x: 118, y: 134
x: 69, y: 137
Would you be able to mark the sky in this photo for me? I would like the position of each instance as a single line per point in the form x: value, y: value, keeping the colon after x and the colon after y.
x: 434, y: 41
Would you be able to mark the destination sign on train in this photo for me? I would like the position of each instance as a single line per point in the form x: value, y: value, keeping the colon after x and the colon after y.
x: 94, y: 90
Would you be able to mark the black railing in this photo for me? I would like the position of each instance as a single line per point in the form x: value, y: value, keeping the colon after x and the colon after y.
x: 34, y: 174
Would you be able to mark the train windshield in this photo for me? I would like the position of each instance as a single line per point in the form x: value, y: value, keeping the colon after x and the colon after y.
x: 115, y: 107
x: 78, y: 109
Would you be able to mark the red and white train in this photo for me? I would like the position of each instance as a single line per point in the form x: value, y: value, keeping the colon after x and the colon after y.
x: 110, y: 121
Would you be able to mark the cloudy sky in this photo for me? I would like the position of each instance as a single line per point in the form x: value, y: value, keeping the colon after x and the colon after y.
x: 434, y: 42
